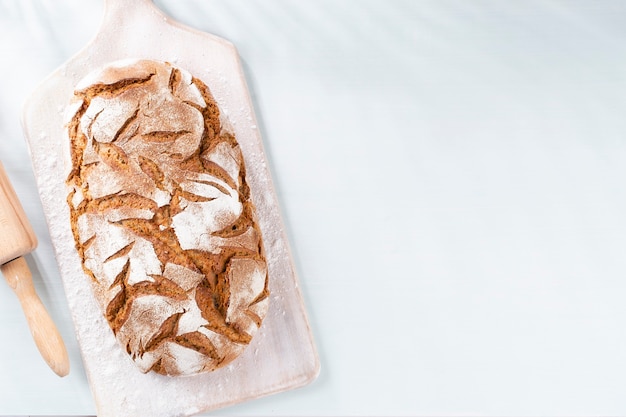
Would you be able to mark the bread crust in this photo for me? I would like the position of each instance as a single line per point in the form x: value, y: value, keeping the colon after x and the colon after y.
x: 162, y: 219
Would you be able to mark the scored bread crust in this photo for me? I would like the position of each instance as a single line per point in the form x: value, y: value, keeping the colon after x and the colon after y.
x: 162, y: 219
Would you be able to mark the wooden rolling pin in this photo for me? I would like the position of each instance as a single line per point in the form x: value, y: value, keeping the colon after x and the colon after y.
x: 17, y: 239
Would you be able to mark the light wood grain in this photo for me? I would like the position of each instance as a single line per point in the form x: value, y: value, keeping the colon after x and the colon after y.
x: 282, y: 355
x: 17, y: 237
x: 44, y: 331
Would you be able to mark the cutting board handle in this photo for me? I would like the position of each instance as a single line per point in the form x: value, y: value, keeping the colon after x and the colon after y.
x: 122, y: 16
x: 110, y: 4
x: 114, y: 10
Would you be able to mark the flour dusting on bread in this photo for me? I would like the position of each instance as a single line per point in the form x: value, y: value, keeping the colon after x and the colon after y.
x: 162, y: 218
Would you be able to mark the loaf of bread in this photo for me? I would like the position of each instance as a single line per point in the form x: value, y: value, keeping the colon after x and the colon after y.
x: 162, y: 218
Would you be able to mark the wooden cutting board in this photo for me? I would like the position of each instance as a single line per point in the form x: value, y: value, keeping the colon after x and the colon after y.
x: 282, y: 355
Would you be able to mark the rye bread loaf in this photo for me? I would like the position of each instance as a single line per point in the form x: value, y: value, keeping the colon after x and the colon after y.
x: 162, y: 219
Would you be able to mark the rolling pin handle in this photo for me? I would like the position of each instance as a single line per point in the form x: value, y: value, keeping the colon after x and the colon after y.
x: 42, y: 328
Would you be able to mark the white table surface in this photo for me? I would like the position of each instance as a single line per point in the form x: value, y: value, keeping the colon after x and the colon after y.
x: 452, y: 177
